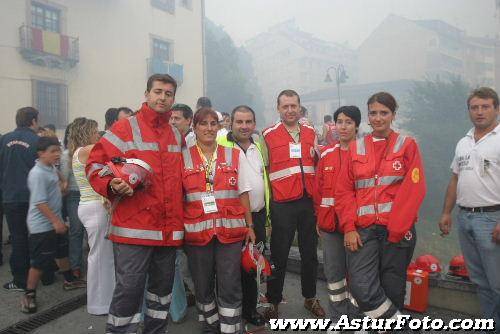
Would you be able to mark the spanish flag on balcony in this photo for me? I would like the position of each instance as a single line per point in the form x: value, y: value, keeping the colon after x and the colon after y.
x: 49, y: 42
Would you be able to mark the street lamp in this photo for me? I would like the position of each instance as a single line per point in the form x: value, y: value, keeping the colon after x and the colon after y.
x: 340, y: 76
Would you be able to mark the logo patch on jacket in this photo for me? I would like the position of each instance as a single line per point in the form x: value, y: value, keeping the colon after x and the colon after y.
x: 397, y: 165
x: 232, y: 181
x: 415, y: 175
x: 408, y: 236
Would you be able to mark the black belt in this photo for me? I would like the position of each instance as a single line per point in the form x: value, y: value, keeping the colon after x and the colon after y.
x: 492, y: 208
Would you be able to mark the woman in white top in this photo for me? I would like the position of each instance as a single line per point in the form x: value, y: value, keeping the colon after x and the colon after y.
x: 83, y: 134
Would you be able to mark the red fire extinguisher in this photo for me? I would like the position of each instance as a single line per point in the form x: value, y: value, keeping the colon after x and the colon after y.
x: 417, y: 290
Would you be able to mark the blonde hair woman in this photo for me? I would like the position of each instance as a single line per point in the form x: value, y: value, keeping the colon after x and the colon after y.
x: 83, y: 134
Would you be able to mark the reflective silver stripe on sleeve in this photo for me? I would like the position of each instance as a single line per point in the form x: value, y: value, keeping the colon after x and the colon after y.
x: 178, y: 235
x: 229, y: 156
x: 384, y: 207
x: 155, y: 298
x: 206, y: 307
x: 284, y: 173
x: 329, y: 150
x: 94, y: 167
x: 337, y: 285
x: 219, y: 194
x: 360, y: 146
x: 177, y: 134
x: 230, y: 223
x: 174, y: 148
x: 352, y: 300
x: 274, y: 127
x: 186, y: 156
x: 327, y: 201
x: 121, y: 145
x: 156, y: 314
x: 136, y: 134
x: 126, y: 232
x: 366, y: 210
x: 309, y: 169
x: 379, y: 311
x: 229, y: 312
x: 388, y: 180
x: 338, y: 297
x: 199, y: 227
x: 365, y: 183
x: 229, y: 329
x: 399, y: 143
x: 122, y: 321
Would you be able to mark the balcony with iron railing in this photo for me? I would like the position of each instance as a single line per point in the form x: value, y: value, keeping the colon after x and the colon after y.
x: 48, y: 48
x: 159, y: 66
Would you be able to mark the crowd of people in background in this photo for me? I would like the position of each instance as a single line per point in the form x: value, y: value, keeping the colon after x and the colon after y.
x: 150, y: 214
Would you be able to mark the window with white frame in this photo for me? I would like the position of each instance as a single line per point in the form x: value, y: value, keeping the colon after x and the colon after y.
x: 45, y: 17
x: 51, y: 101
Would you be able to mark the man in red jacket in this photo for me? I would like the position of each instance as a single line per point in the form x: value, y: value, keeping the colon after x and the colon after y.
x: 147, y: 223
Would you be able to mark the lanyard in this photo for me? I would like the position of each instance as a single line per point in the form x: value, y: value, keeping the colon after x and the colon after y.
x: 208, y: 166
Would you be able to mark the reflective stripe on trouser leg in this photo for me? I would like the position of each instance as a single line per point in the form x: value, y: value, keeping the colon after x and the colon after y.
x: 201, y: 262
x: 229, y: 294
x: 365, y: 277
x: 131, y: 262
x: 159, y: 291
x: 335, y: 273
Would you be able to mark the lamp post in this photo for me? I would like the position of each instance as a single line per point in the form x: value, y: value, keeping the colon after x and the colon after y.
x: 340, y: 77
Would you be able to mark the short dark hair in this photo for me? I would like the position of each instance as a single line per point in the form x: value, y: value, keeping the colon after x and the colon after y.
x: 165, y: 78
x: 187, y: 112
x: 327, y: 118
x: 289, y: 93
x: 126, y: 110
x: 243, y: 108
x: 483, y: 93
x: 203, y: 102
x: 25, y: 117
x: 50, y: 127
x: 110, y: 117
x: 45, y: 142
x: 225, y: 114
x: 384, y: 98
x: 352, y: 112
x: 202, y: 113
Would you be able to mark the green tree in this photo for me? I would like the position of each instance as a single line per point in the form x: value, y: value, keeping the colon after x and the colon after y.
x: 230, y: 77
x: 437, y: 116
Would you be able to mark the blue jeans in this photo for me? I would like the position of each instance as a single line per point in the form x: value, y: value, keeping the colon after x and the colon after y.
x: 76, y: 230
x: 482, y: 258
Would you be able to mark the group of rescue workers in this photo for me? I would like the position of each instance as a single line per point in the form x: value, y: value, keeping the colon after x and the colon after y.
x: 361, y: 196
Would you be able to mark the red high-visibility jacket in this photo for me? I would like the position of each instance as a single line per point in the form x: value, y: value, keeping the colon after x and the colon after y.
x: 228, y: 224
x: 152, y: 216
x: 327, y: 172
x: 387, y: 192
x: 289, y: 176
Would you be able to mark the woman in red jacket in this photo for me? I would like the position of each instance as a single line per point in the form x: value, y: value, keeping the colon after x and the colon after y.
x: 347, y: 120
x: 378, y: 196
x: 217, y: 219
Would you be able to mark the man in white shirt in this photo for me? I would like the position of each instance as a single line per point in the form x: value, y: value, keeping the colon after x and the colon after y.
x: 241, y: 137
x: 475, y: 187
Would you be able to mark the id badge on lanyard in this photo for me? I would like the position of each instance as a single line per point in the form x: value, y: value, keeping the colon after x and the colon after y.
x: 209, y: 204
x: 295, y: 150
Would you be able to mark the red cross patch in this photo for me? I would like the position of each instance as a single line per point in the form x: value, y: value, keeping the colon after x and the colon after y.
x: 408, y: 236
x: 397, y: 165
x: 232, y: 181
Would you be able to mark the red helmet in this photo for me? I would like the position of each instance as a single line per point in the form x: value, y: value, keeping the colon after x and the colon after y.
x: 428, y: 263
x: 412, y: 266
x: 252, y: 259
x: 135, y: 172
x: 458, y: 268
